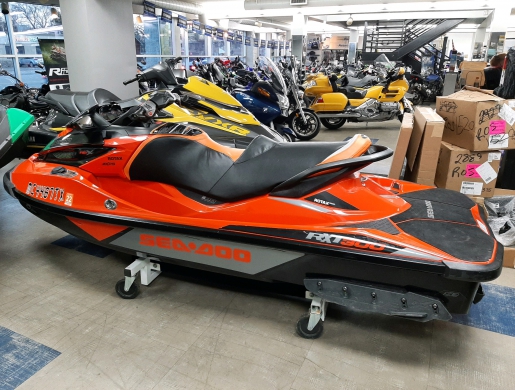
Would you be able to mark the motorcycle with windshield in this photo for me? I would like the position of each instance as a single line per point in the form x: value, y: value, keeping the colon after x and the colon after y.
x: 335, y: 105
x: 268, y: 101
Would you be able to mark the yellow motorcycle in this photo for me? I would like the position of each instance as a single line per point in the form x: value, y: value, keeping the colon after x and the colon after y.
x: 335, y: 105
x: 201, y: 102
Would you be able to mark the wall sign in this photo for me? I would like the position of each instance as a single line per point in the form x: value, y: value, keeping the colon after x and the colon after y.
x: 195, y: 26
x: 166, y: 16
x: 182, y: 22
x: 230, y: 36
x: 247, y: 41
x: 256, y: 42
x: 208, y: 30
x: 238, y: 38
x: 149, y: 9
x: 263, y: 44
x: 219, y: 33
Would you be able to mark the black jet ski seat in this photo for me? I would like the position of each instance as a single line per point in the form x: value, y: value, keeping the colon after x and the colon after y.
x: 73, y: 103
x: 195, y: 165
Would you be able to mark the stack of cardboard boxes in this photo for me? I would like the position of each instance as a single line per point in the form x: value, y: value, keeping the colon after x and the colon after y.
x: 459, y: 146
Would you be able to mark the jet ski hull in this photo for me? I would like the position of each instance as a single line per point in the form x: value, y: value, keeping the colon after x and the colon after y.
x: 272, y: 255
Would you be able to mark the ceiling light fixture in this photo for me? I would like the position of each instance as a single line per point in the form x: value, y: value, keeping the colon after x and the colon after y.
x: 350, y: 20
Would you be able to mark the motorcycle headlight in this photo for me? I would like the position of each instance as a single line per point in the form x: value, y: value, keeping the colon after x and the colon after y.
x: 284, y: 103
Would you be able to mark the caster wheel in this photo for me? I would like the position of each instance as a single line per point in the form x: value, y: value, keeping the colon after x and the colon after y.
x: 302, y: 328
x: 131, y: 294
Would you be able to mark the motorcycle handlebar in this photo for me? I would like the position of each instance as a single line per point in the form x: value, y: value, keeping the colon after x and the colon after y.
x: 131, y: 80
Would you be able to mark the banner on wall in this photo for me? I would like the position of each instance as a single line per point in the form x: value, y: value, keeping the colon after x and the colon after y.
x: 238, y: 38
x: 208, y: 30
x: 256, y: 42
x: 288, y: 45
x: 247, y: 41
x: 219, y: 33
x: 166, y: 16
x: 270, y: 44
x: 230, y: 36
x: 182, y: 22
x: 281, y: 45
x: 263, y: 44
x: 149, y: 9
x: 195, y: 26
x: 54, y: 58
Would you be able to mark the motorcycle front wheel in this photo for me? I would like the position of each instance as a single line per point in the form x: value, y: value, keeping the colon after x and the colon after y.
x: 305, y: 130
x: 333, y: 123
x: 417, y: 99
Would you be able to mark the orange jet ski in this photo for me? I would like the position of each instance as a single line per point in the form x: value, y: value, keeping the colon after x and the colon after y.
x: 294, y: 213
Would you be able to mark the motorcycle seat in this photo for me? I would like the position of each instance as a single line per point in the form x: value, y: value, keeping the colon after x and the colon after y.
x: 201, y: 165
x: 353, y: 93
x: 359, y: 83
x: 73, y: 103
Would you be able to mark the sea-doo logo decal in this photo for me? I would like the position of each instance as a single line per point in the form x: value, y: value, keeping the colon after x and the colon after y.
x: 176, y: 244
x: 58, y: 72
x: 316, y: 200
x: 225, y: 254
x: 430, y: 211
x: 115, y: 158
x: 45, y: 192
x: 227, y: 126
x: 345, y: 241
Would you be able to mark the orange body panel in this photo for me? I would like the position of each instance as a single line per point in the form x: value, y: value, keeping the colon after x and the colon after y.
x: 374, y: 198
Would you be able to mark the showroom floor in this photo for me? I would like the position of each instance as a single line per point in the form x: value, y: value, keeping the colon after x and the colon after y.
x: 71, y: 330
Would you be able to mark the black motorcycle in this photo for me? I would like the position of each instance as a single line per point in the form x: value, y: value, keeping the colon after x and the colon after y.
x: 425, y: 88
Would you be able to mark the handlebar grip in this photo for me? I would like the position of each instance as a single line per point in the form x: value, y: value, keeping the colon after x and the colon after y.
x: 131, y: 80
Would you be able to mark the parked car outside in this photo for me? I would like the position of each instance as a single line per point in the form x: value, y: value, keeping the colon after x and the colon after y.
x: 29, y: 62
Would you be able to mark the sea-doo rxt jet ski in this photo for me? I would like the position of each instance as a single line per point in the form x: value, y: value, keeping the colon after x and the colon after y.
x: 175, y: 195
x: 201, y: 102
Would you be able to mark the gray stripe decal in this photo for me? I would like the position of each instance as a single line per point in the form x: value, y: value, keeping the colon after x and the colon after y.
x: 245, y: 258
x: 304, y: 204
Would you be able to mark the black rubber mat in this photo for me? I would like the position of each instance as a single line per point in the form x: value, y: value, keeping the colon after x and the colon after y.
x: 461, y: 241
x: 429, y: 209
x: 442, y: 196
x: 383, y: 225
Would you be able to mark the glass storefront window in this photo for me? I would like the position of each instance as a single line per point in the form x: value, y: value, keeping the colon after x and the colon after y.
x: 146, y: 35
x: 166, y: 34
x: 218, y: 47
x: 8, y: 65
x: 237, y: 48
x: 196, y: 44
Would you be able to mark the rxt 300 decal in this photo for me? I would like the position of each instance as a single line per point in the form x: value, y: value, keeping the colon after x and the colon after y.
x: 359, y: 242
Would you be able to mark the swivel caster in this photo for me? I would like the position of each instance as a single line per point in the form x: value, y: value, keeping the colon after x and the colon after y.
x: 303, y: 330
x: 311, y: 326
x: 131, y: 293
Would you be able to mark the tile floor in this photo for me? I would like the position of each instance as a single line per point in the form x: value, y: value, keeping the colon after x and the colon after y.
x: 180, y: 334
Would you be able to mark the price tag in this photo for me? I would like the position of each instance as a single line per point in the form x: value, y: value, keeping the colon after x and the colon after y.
x: 471, y: 188
x: 498, y: 141
x: 471, y: 170
x: 497, y: 127
x: 494, y: 156
x: 507, y: 114
x: 486, y: 172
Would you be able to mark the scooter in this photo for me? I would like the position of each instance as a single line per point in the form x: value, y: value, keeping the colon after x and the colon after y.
x: 335, y: 106
x: 295, y: 213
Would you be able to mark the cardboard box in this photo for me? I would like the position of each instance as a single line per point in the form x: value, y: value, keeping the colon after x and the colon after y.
x: 402, y: 146
x: 471, y: 173
x: 470, y: 70
x: 509, y: 257
x: 424, y: 146
x: 472, y: 120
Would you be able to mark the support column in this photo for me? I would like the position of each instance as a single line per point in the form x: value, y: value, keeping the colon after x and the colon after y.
x: 298, y: 32
x: 100, y: 48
